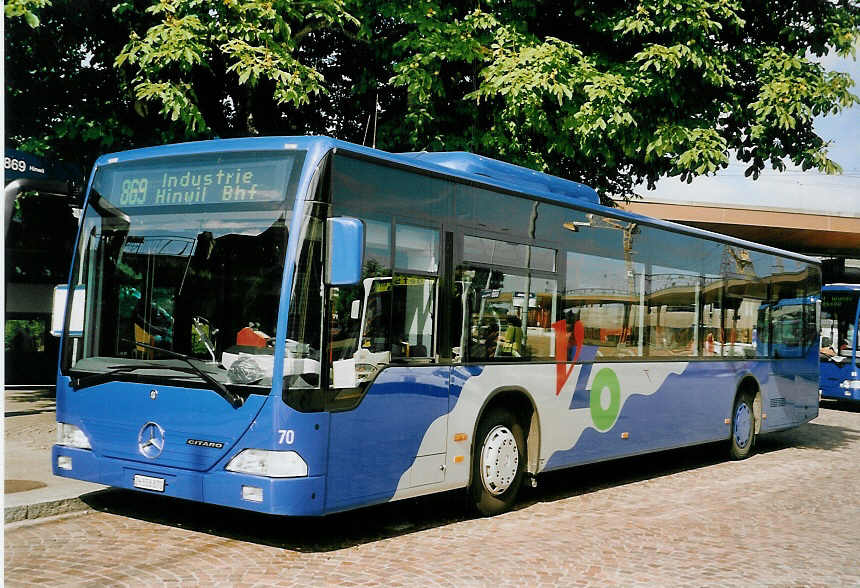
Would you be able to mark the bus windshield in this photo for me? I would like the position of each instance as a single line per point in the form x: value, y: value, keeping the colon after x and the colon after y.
x: 838, y: 315
x: 181, y: 262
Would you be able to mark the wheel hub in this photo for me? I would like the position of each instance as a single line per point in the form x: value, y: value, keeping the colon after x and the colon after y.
x: 743, y: 420
x: 500, y: 459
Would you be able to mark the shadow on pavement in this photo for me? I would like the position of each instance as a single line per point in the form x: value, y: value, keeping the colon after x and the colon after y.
x: 343, y: 530
x: 367, y: 525
x: 303, y: 534
x: 586, y: 479
x: 31, y: 394
x: 15, y: 413
x: 809, y: 436
x: 840, y: 405
x: 37, y: 401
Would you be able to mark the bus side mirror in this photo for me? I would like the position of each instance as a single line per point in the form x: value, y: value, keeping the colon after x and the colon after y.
x: 58, y: 312
x: 344, y: 251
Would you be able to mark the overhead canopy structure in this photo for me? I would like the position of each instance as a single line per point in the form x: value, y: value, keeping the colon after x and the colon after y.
x: 803, y: 232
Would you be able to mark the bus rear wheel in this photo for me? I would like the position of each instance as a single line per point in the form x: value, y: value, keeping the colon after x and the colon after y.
x: 743, y: 427
x: 498, y: 462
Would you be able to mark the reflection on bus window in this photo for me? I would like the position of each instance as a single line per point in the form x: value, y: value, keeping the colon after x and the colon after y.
x: 377, y: 247
x: 417, y: 248
x: 510, y: 316
x: 605, y: 295
x: 496, y: 252
x: 672, y: 312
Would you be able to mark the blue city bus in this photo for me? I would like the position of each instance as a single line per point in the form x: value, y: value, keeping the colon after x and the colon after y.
x: 301, y: 326
x: 840, y: 311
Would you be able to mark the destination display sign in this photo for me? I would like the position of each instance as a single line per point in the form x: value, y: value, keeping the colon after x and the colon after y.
x: 165, y: 183
x: 834, y: 302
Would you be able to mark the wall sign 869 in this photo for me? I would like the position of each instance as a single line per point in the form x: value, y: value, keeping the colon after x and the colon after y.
x: 18, y: 165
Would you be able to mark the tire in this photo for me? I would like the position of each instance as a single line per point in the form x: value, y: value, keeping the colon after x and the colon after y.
x: 498, y: 462
x: 743, y: 427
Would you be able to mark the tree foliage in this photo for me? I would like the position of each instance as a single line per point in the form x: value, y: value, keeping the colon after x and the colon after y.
x: 618, y: 93
x: 610, y: 93
x: 64, y: 98
x: 26, y: 9
x: 209, y: 64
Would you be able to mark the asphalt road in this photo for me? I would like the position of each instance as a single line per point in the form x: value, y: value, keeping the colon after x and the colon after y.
x: 788, y: 516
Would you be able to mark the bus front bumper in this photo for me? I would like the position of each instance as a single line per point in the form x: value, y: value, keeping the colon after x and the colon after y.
x: 280, y: 496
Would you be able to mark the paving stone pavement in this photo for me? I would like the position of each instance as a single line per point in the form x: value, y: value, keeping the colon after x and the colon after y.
x: 30, y: 488
x: 788, y: 516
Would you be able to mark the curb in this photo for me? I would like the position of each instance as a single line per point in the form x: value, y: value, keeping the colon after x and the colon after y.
x: 40, y: 510
x: 50, y: 508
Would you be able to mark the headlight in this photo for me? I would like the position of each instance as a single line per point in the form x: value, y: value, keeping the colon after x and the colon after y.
x: 272, y: 464
x: 72, y: 436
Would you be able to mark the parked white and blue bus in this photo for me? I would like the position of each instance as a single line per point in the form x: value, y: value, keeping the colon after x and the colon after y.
x: 840, y: 312
x: 302, y: 326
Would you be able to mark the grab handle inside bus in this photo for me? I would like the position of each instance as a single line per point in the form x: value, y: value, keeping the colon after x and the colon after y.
x: 344, y: 250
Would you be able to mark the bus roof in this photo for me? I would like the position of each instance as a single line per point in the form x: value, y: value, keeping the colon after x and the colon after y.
x: 484, y: 168
x: 462, y: 166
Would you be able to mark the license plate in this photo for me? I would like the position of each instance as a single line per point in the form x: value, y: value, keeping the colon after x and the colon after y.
x: 149, y: 483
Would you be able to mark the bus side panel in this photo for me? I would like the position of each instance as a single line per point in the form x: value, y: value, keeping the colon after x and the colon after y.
x: 371, y: 446
x: 687, y: 407
x: 792, y: 398
x: 457, y: 447
x: 640, y: 407
x: 653, y: 403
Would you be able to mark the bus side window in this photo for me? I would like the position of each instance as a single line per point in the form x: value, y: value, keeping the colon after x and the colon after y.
x: 496, y: 329
x: 396, y: 310
x: 412, y: 312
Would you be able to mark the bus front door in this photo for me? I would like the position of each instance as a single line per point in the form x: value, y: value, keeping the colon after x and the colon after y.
x: 393, y: 440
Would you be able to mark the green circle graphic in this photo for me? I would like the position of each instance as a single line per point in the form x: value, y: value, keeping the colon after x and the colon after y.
x: 604, y: 418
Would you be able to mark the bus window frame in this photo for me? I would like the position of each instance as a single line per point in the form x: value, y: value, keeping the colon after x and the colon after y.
x: 449, y: 221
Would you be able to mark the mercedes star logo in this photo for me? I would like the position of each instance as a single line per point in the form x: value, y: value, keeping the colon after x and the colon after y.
x: 150, y: 440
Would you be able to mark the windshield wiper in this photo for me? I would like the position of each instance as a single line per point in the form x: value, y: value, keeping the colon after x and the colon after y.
x: 234, y: 399
x: 95, y: 379
x: 113, y: 370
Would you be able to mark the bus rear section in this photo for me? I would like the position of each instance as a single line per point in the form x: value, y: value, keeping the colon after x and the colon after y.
x: 840, y: 311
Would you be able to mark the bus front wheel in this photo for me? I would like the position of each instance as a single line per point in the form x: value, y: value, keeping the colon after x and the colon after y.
x: 498, y: 463
x: 743, y: 427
